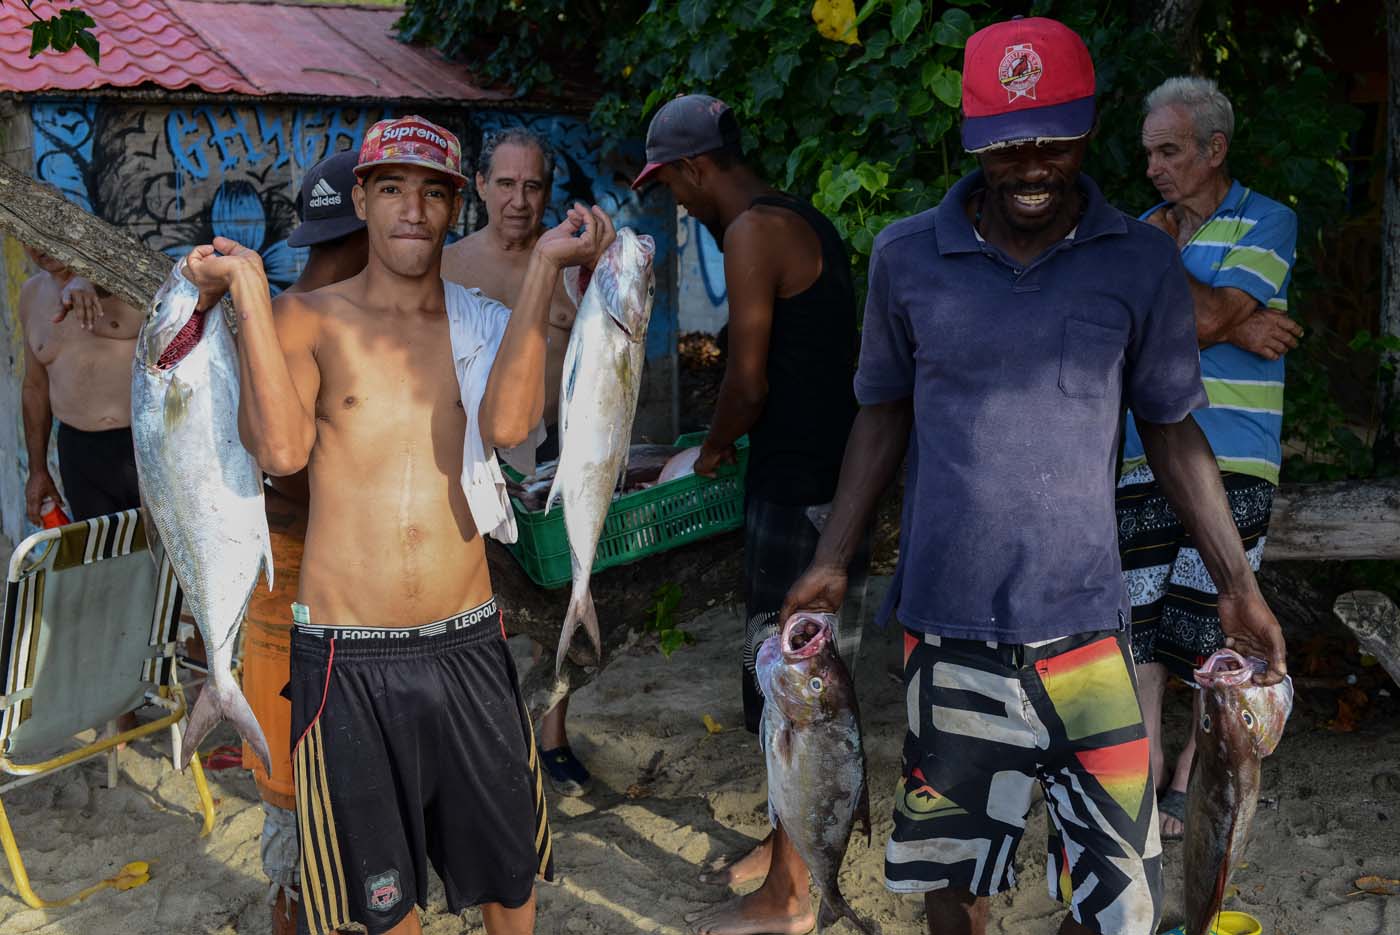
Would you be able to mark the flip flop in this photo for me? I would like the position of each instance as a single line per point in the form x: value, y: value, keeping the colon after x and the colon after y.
x: 1228, y: 922
x: 1173, y: 803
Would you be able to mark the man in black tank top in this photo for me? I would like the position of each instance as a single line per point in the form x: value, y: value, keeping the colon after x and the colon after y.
x: 788, y: 386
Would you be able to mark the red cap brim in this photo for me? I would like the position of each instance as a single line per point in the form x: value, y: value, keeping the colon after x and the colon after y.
x: 647, y: 172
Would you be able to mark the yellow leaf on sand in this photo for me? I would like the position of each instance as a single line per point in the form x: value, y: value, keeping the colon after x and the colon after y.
x: 836, y: 20
x: 137, y: 873
x: 1378, y: 886
x: 712, y: 726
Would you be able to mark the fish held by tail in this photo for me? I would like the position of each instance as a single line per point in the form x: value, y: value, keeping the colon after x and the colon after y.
x: 221, y: 699
x: 581, y: 610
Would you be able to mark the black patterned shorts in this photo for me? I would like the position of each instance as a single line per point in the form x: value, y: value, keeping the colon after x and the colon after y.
x: 1176, y: 620
x: 988, y: 723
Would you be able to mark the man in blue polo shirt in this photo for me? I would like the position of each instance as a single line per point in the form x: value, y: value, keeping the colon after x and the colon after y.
x: 1238, y: 248
x: 1004, y: 330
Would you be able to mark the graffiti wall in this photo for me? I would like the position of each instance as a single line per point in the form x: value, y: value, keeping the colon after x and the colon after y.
x: 176, y: 176
x: 703, y: 298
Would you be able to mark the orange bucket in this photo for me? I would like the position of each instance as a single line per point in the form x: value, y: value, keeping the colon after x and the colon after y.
x: 267, y: 640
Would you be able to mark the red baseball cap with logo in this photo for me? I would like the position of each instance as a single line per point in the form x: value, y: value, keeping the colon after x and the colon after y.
x: 1026, y: 80
x: 414, y: 141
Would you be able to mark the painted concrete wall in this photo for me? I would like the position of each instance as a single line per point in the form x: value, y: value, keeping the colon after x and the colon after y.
x: 175, y: 176
x: 703, y: 303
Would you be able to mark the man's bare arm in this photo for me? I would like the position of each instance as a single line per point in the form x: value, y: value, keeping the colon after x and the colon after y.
x: 752, y: 273
x: 1185, y: 466
x: 513, y: 403
x: 874, y: 452
x: 277, y: 398
x: 1219, y: 310
x: 38, y: 422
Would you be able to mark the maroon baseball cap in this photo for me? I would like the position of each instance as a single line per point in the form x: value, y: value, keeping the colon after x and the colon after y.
x: 687, y: 126
x: 1025, y: 80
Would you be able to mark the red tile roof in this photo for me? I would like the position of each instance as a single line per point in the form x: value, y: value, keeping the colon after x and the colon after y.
x: 254, y: 48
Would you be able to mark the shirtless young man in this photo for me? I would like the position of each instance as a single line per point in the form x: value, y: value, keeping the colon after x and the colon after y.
x: 514, y: 178
x: 78, y: 370
x: 411, y: 739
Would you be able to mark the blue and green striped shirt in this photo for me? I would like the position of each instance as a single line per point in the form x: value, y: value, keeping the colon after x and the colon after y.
x: 1249, y: 244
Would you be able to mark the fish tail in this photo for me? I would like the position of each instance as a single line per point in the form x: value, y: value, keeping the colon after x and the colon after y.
x: 219, y: 699
x: 580, y: 610
x: 833, y: 908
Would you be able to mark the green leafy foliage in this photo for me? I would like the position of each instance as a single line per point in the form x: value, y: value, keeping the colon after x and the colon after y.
x: 869, y: 132
x: 661, y: 619
x: 61, y: 32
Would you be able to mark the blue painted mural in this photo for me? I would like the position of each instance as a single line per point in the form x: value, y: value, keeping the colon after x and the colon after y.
x: 178, y: 176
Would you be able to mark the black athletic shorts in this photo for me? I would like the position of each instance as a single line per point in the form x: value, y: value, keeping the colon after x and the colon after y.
x: 98, y: 471
x: 412, y: 746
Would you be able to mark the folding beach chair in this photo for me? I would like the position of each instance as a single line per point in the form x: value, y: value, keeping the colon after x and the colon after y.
x: 88, y: 635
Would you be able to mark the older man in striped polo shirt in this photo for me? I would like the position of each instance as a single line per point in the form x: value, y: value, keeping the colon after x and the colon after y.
x: 1238, y: 247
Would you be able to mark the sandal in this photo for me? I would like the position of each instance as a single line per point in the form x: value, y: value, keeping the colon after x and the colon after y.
x: 1173, y: 803
x: 566, y: 774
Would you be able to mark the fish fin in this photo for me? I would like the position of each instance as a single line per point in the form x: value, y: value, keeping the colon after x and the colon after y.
x: 221, y: 698
x: 833, y: 908
x: 862, y: 815
x: 575, y: 285
x: 553, y: 493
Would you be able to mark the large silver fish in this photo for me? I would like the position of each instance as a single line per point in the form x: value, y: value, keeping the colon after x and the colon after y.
x: 597, y: 400
x: 201, y: 487
x: 816, y: 763
x: 1239, y: 724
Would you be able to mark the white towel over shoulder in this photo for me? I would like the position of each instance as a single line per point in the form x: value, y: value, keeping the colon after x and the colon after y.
x: 477, y: 325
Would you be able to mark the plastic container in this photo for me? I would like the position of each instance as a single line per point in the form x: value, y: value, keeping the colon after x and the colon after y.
x: 51, y: 514
x: 639, y: 524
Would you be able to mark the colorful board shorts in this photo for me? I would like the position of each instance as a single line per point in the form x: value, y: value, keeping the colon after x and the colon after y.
x: 1176, y: 617
x: 989, y: 721
x: 411, y: 746
x: 779, y: 543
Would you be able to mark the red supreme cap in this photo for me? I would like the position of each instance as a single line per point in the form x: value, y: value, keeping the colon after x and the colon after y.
x: 414, y: 141
x: 1025, y: 80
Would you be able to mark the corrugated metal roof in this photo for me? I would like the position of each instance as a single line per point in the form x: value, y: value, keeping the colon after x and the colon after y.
x: 142, y: 41
x: 253, y: 48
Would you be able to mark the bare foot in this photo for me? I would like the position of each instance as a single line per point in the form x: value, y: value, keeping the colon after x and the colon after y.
x: 754, y: 914
x: 740, y: 868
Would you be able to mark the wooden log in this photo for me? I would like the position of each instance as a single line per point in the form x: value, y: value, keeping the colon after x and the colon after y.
x: 1343, y: 521
x: 92, y: 248
x: 1375, y: 620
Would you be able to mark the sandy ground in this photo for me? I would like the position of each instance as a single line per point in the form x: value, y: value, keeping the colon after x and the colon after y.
x: 628, y: 859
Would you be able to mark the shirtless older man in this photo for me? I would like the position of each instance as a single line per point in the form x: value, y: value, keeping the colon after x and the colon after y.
x: 78, y: 370
x: 515, y: 175
x: 412, y: 743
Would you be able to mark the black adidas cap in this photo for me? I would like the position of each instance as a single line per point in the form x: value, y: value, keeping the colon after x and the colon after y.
x: 324, y: 204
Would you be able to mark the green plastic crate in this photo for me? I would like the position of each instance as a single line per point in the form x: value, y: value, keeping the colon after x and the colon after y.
x: 639, y: 524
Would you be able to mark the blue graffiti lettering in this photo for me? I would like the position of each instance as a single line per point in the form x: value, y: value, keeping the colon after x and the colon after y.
x: 221, y: 137
x: 270, y: 132
x: 187, y: 153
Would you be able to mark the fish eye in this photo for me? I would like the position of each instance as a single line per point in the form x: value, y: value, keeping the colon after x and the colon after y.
x: 1205, y: 723
x: 815, y: 684
x: 1248, y: 719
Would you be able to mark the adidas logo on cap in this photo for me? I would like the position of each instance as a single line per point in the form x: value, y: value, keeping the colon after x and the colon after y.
x: 323, y: 195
